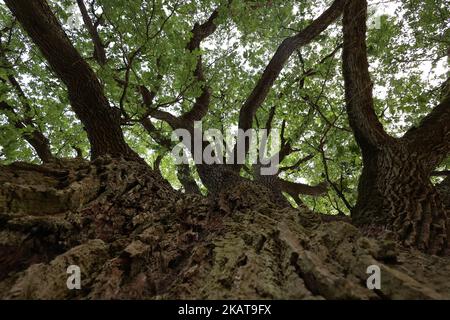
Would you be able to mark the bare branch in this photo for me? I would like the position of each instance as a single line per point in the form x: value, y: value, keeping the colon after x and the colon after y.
x: 444, y: 173
x: 99, y: 48
x: 199, y: 33
x: 333, y: 185
x: 281, y: 56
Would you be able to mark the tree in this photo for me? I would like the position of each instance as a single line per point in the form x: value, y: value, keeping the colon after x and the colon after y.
x: 129, y: 73
x: 395, y: 188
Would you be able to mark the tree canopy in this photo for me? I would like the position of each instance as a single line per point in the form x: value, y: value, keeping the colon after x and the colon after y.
x: 152, y: 62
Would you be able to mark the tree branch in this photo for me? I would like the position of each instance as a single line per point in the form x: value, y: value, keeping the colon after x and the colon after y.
x: 31, y: 133
x: 187, y: 181
x: 358, y: 85
x: 432, y: 137
x: 84, y: 89
x: 99, y: 48
x: 281, y: 56
x: 333, y: 185
x: 186, y: 121
x: 199, y: 33
x: 156, y: 134
x: 444, y: 173
x: 295, y: 188
x: 298, y: 163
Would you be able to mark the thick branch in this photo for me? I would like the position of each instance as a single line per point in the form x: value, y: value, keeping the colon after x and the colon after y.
x: 445, y: 173
x: 270, y: 117
x: 358, y: 85
x: 281, y: 56
x: 156, y: 134
x: 173, y: 121
x: 85, y: 91
x: 200, y: 107
x: 432, y: 137
x: 199, y: 33
x: 295, y: 188
x: 186, y: 179
x: 99, y: 49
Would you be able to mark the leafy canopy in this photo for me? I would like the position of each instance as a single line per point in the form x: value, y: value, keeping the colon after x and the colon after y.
x: 408, y: 57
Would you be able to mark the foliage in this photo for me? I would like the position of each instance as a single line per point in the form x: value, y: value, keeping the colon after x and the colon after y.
x: 407, y: 53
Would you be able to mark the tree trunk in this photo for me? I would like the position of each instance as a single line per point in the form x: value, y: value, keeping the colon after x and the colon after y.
x: 187, y: 180
x: 133, y: 236
x: 395, y: 194
x: 273, y: 183
x: 444, y: 192
x: 218, y: 177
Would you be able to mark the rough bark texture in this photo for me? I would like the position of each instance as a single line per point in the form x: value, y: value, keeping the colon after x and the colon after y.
x: 444, y: 192
x: 187, y: 180
x: 395, y: 191
x: 99, y: 47
x: 135, y: 237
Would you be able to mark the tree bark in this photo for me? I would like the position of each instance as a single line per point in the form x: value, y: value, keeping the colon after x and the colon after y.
x: 99, y: 48
x: 187, y: 180
x: 134, y: 237
x: 395, y: 192
x: 444, y: 192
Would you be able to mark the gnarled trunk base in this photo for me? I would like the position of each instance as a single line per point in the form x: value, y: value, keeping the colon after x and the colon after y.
x: 395, y: 194
x: 135, y: 237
